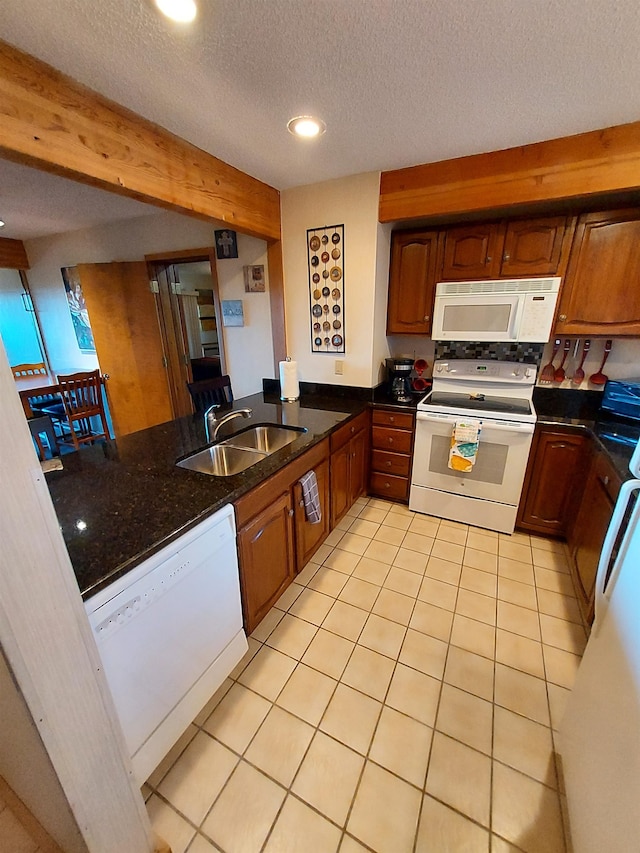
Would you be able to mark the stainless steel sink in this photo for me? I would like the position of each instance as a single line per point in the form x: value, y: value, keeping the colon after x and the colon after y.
x: 266, y: 438
x: 221, y: 460
x: 241, y: 451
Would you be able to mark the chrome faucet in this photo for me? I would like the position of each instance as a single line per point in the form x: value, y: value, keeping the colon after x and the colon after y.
x: 213, y: 424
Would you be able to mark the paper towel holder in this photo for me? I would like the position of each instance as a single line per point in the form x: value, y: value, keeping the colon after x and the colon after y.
x: 291, y: 399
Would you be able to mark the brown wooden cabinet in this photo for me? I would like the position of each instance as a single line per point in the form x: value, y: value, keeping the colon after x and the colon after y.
x: 536, y: 246
x: 310, y: 536
x: 392, y: 435
x: 587, y: 534
x: 507, y: 249
x: 553, y: 482
x: 601, y: 291
x: 275, y: 540
x: 348, y: 465
x: 481, y: 250
x: 267, y: 566
x: 412, y: 280
x: 472, y: 251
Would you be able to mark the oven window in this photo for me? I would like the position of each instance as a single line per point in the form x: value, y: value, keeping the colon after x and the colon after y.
x: 477, y: 317
x: 490, y: 463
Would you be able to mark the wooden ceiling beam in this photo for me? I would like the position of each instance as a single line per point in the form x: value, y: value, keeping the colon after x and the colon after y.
x: 593, y: 163
x: 49, y: 121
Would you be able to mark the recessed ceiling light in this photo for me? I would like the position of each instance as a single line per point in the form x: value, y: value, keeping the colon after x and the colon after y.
x: 183, y: 11
x: 306, y: 127
x: 1, y: 223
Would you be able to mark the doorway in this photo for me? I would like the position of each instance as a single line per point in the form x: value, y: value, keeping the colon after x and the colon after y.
x: 188, y: 306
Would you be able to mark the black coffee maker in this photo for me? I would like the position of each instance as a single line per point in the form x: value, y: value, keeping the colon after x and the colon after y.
x: 398, y: 373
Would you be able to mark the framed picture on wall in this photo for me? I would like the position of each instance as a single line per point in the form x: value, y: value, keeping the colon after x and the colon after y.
x: 254, y: 279
x: 78, y: 309
x: 226, y: 244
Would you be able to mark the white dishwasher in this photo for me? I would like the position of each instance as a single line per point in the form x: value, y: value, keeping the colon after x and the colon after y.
x: 169, y: 632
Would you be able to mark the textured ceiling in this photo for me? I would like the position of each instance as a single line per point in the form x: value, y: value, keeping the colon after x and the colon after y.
x: 398, y: 82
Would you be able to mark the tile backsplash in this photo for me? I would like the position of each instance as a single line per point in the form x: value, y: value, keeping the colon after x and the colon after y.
x: 524, y: 353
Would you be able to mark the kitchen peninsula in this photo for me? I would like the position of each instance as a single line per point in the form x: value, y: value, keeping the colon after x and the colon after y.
x: 118, y: 503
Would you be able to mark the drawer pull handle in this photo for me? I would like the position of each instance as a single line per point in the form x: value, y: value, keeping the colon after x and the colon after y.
x: 391, y: 419
x: 388, y: 464
x: 605, y: 480
x: 353, y: 429
x: 387, y: 485
x: 562, y: 318
x: 390, y: 441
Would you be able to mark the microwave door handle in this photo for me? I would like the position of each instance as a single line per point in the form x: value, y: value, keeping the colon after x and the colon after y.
x: 602, y: 594
x: 516, y: 319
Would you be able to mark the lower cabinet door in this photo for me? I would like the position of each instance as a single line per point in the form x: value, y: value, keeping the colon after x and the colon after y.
x: 267, y: 564
x: 358, y: 466
x: 554, y: 481
x: 340, y: 467
x: 310, y: 536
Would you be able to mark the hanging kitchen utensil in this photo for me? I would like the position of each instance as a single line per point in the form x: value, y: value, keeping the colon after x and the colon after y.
x: 578, y: 376
x: 549, y: 371
x: 600, y: 378
x: 558, y: 376
x: 570, y: 363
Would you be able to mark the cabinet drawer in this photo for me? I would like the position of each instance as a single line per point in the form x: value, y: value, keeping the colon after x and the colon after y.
x: 386, y: 438
x: 342, y: 435
x: 390, y: 463
x: 387, y: 485
x: 397, y: 420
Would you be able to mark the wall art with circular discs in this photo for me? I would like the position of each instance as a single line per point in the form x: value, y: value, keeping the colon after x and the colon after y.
x: 325, y: 252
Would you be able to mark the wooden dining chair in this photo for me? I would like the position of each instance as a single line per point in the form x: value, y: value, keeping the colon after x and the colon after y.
x: 28, y: 371
x: 209, y: 391
x: 81, y: 395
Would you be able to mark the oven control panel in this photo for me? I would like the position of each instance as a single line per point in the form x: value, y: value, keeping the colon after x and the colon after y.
x: 493, y: 371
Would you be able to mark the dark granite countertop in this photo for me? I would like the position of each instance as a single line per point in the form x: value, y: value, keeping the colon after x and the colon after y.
x: 119, y: 502
x: 580, y: 410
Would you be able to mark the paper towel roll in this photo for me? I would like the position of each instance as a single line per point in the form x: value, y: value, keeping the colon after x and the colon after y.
x: 289, y: 387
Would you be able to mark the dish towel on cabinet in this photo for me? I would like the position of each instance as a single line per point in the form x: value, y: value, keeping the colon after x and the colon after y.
x: 311, y: 497
x: 464, y: 445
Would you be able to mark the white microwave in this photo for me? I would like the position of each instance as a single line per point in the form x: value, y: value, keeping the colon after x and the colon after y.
x: 515, y: 310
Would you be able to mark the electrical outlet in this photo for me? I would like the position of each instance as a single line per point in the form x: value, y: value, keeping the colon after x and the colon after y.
x: 339, y: 365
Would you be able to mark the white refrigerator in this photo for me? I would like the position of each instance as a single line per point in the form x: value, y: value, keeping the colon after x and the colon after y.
x: 600, y: 733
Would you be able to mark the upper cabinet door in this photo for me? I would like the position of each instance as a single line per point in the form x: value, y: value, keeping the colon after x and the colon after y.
x: 412, y: 281
x: 472, y: 251
x: 534, y: 247
x: 601, y: 291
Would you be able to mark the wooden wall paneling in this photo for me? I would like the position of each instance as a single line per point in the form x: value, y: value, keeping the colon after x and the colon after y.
x: 600, y: 161
x: 49, y: 121
x: 13, y: 254
x: 276, y: 301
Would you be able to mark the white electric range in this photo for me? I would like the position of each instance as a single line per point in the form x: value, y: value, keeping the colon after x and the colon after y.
x: 498, y: 396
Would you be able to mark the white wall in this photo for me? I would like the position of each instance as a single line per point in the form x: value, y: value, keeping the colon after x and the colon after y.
x: 249, y: 350
x: 354, y: 202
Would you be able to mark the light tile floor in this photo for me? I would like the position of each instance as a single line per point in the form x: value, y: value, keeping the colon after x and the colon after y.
x: 403, y: 695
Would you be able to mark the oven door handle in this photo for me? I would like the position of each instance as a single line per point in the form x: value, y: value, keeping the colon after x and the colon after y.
x: 492, y: 425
